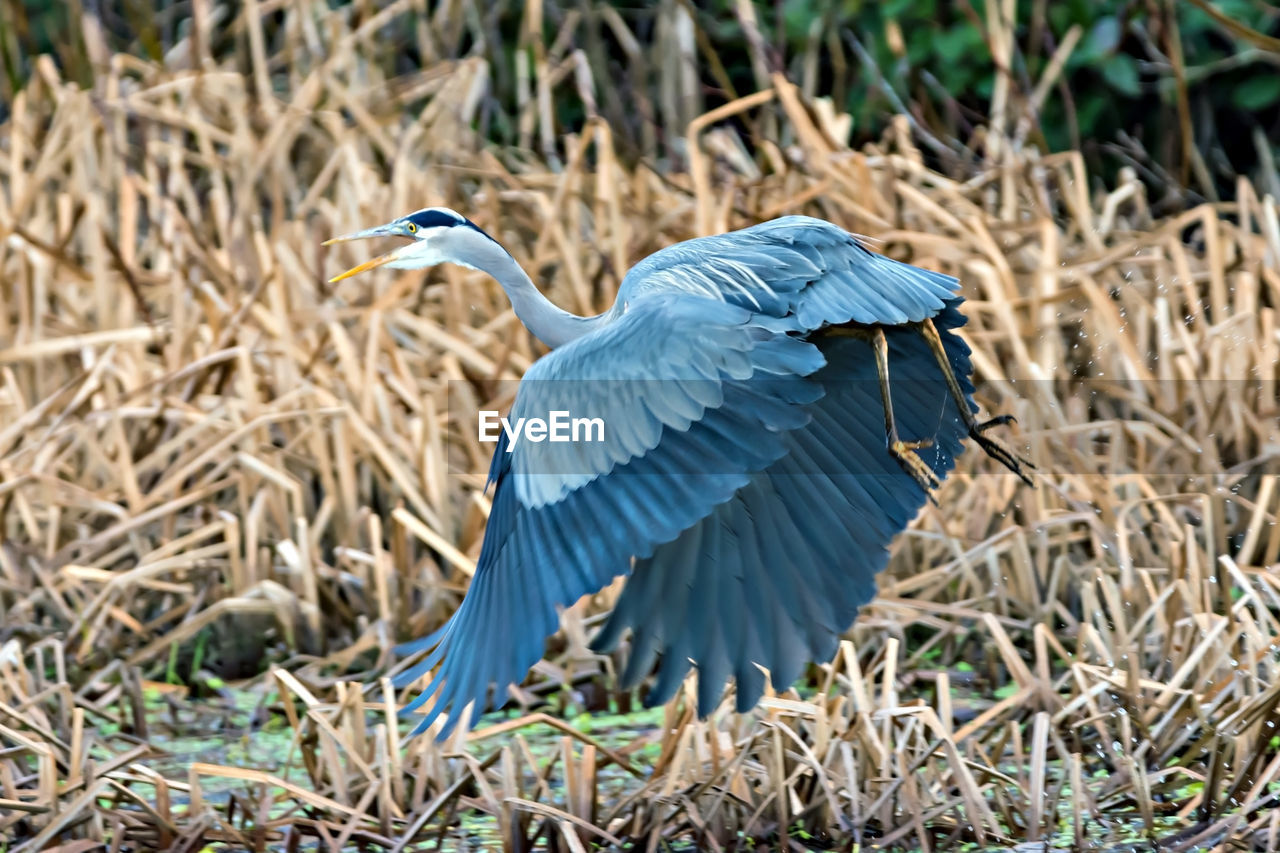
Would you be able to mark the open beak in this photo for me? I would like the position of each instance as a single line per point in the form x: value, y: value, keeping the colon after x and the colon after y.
x: 368, y: 233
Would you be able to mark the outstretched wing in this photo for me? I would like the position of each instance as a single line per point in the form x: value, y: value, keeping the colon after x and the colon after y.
x: 774, y: 575
x: 803, y: 269
x: 730, y: 390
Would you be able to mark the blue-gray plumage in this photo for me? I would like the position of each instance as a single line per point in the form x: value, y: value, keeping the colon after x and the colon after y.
x: 755, y: 388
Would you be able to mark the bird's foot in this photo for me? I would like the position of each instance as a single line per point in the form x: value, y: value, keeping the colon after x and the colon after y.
x: 998, y: 451
x: 905, y: 453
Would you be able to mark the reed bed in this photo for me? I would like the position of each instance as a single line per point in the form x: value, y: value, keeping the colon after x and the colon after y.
x: 212, y: 464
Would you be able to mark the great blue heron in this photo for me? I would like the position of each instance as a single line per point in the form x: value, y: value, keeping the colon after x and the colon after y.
x: 754, y: 468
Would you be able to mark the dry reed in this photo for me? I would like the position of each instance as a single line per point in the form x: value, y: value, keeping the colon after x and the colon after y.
x: 203, y: 445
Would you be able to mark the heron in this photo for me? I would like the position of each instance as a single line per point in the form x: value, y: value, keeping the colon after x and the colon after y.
x: 780, y: 402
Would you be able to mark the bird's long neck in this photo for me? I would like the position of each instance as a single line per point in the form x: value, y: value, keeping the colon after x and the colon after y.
x: 552, y: 325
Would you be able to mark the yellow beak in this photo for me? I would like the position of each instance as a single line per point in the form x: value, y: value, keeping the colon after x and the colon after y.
x: 367, y: 265
x: 378, y: 231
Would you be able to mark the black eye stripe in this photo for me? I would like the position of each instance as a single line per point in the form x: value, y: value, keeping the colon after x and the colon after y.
x: 432, y: 218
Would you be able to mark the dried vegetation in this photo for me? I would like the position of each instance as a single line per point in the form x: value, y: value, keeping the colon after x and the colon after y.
x: 210, y: 458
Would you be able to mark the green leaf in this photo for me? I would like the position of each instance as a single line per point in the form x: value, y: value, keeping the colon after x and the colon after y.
x: 957, y: 44
x: 1257, y: 92
x: 1122, y: 73
x: 1102, y: 40
x: 797, y: 17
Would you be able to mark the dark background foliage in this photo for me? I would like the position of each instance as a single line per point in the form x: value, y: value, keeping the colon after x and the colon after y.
x: 1185, y: 91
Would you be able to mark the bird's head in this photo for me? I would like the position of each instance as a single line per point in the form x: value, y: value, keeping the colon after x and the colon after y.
x: 437, y: 234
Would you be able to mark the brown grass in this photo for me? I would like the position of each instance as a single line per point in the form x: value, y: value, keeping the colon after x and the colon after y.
x: 200, y: 438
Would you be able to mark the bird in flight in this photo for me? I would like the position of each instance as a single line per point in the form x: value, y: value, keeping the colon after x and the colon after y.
x: 778, y: 404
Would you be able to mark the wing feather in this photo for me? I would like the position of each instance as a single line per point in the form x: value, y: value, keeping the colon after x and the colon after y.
x: 797, y: 267
x: 703, y: 349
x: 542, y: 553
x: 783, y: 566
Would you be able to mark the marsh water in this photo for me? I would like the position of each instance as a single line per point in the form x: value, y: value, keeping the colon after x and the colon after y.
x: 244, y: 728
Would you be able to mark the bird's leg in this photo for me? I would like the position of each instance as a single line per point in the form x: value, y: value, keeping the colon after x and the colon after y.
x: 903, y: 451
x: 977, y: 429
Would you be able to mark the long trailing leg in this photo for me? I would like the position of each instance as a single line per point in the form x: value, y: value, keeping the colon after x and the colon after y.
x: 977, y: 429
x: 903, y: 451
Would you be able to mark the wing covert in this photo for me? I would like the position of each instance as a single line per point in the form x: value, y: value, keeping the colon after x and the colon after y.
x: 796, y: 267
x: 656, y: 369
